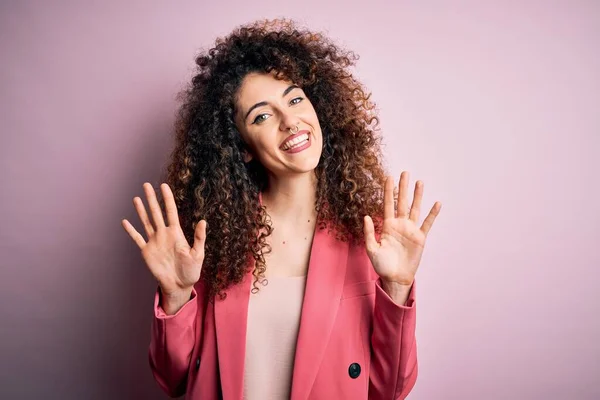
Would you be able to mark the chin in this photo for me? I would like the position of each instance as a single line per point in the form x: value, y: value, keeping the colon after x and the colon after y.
x: 299, y: 167
x: 307, y: 164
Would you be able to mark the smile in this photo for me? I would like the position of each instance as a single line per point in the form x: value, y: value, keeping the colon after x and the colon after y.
x: 296, y: 143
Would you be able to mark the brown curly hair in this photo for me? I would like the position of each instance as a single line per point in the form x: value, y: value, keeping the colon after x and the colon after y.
x: 207, y: 173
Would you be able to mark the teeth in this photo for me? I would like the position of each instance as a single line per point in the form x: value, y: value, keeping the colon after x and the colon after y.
x: 288, y: 145
x: 296, y: 145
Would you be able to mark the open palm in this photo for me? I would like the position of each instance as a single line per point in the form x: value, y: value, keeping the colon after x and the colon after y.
x: 397, y: 255
x: 175, y: 265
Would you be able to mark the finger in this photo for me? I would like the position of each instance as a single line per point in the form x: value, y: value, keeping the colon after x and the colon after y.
x: 199, y: 239
x: 369, y: 230
x: 415, y: 208
x: 435, y: 210
x: 170, y: 206
x: 155, y: 209
x: 137, y: 238
x: 141, y: 210
x: 388, y: 198
x: 402, y: 210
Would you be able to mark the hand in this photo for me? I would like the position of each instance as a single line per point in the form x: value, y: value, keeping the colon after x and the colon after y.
x: 167, y: 253
x: 398, y: 254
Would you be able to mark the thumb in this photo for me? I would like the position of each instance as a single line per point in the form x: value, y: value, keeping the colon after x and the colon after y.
x: 200, y: 238
x: 369, y: 230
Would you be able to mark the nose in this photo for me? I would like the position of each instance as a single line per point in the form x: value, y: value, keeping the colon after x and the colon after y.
x: 288, y: 120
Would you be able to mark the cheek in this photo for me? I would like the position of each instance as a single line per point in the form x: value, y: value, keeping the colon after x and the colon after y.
x: 314, y: 118
x: 262, y: 144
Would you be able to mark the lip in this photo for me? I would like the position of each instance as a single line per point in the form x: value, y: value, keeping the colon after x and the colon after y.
x: 300, y: 148
x: 294, y: 136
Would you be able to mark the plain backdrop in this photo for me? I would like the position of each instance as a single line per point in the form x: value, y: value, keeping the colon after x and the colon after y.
x: 495, y: 105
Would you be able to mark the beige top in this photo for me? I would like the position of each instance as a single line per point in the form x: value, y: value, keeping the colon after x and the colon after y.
x: 273, y: 322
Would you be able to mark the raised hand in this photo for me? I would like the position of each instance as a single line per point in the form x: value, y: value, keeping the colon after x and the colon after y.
x: 397, y: 256
x: 175, y: 265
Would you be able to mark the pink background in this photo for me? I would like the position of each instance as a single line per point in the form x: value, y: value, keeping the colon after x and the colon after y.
x: 495, y: 105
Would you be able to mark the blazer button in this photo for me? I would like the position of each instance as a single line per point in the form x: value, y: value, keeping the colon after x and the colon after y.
x: 354, y: 370
x: 197, y: 363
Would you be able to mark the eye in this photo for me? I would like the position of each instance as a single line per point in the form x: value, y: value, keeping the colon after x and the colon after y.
x: 258, y: 118
x: 296, y: 98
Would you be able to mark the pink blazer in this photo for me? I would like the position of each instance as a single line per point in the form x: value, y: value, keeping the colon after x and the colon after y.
x: 354, y: 342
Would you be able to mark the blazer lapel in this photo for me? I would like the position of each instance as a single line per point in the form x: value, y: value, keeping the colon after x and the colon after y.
x: 324, y: 285
x: 230, y: 324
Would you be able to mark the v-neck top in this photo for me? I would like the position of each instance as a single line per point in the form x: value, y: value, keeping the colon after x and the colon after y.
x: 272, y: 330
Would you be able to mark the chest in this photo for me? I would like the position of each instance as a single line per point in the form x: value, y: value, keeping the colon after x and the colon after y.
x: 334, y: 328
x: 290, y: 250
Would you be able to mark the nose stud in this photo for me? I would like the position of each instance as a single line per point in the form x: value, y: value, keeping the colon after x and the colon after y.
x: 294, y: 129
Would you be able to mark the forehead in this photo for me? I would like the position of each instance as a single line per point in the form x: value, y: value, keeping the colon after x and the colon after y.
x: 258, y: 87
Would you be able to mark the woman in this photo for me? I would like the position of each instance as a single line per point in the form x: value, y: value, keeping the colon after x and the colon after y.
x: 300, y: 280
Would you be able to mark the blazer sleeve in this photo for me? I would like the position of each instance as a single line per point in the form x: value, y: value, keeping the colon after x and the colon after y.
x: 393, y: 371
x: 172, y: 341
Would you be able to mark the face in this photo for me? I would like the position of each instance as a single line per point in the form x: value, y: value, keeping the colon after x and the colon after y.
x: 266, y: 109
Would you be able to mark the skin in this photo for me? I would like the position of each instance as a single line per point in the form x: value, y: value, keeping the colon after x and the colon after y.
x: 289, y: 198
x: 397, y: 255
x: 291, y: 191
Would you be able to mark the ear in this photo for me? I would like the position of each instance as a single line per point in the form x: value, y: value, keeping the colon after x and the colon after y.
x: 247, y: 156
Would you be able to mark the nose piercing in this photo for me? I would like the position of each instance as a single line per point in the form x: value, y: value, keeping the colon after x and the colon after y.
x: 294, y: 129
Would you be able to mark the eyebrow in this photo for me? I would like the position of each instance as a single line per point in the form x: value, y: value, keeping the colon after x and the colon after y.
x: 264, y: 103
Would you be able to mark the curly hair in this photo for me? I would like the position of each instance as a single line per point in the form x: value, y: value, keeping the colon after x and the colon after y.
x: 207, y: 173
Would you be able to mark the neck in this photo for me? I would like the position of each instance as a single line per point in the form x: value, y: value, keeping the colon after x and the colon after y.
x: 291, y: 199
